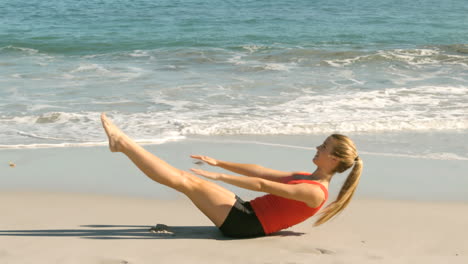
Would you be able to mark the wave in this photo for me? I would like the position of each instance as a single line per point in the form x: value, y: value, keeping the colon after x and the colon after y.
x: 455, y: 48
x: 274, y: 57
x: 90, y: 67
x: 414, y: 57
x: 161, y: 126
x: 432, y: 108
x: 316, y: 55
x: 261, y: 127
x: 21, y: 50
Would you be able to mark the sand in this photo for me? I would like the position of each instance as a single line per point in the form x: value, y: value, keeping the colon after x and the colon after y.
x: 87, y: 205
x: 39, y: 227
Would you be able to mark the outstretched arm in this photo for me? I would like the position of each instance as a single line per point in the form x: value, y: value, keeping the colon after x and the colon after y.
x: 251, y: 170
x: 312, y: 195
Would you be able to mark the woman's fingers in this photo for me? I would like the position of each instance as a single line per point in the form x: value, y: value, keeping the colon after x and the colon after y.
x: 196, y: 157
x: 206, y: 159
x: 199, y: 157
x: 207, y: 174
x: 201, y: 172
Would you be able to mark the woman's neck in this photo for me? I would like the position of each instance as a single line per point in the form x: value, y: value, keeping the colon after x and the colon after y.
x: 318, y: 176
x: 321, y: 176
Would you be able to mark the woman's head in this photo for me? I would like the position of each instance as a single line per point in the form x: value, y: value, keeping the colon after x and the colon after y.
x: 345, y: 150
x: 339, y: 153
x: 336, y: 154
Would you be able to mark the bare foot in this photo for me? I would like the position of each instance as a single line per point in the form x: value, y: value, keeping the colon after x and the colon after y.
x: 115, y: 135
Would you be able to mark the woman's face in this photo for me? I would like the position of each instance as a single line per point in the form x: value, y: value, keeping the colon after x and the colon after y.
x: 323, y: 155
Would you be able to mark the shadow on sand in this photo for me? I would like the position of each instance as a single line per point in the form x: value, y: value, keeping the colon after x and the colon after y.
x: 133, y: 232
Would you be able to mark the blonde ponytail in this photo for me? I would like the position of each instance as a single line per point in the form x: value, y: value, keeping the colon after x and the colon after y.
x: 345, y: 150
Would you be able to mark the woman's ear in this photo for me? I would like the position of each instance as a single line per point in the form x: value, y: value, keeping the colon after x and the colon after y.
x: 335, y: 160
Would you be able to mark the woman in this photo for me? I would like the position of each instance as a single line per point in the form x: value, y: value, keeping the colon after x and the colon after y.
x: 292, y: 196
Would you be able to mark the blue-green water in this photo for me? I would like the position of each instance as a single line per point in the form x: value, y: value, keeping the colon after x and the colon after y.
x: 174, y: 69
x: 91, y: 27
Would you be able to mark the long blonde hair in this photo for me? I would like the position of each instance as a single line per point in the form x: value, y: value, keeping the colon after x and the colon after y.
x: 345, y: 150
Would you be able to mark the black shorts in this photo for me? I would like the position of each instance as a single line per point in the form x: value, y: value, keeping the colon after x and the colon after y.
x: 242, y: 222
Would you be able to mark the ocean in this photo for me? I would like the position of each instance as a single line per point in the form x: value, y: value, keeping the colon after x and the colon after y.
x: 392, y: 73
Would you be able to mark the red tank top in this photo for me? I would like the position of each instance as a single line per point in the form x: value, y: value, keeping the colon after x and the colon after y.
x: 276, y: 213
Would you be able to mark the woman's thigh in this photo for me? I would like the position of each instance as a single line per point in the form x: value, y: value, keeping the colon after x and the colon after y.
x: 210, y: 198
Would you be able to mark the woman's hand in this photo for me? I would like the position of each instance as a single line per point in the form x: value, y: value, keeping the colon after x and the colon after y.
x: 208, y: 174
x: 206, y: 159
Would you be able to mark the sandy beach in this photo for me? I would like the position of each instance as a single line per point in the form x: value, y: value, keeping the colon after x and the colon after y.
x: 87, y: 205
x: 71, y: 228
x: 258, y: 82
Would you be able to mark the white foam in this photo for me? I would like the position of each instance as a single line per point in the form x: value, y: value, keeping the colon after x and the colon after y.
x: 67, y: 76
x: 50, y: 119
x: 237, y: 60
x: 432, y: 108
x: 92, y: 70
x: 32, y: 135
x: 344, y: 62
x: 89, y: 144
x: 252, y: 48
x: 446, y: 156
x: 140, y: 53
x: 60, y: 145
x: 261, y: 127
x: 430, y: 156
x: 90, y: 67
x: 26, y: 50
x: 38, y: 107
x: 413, y: 57
x: 20, y: 119
x: 397, y: 109
x: 277, y: 66
x: 95, y: 56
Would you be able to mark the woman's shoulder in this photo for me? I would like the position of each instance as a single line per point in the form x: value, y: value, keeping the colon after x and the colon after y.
x: 307, y: 178
x: 296, y: 175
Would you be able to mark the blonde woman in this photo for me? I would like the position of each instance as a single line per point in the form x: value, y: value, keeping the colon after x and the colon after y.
x: 291, y: 198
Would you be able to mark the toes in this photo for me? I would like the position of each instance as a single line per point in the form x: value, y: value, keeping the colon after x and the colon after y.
x: 105, y: 121
x: 103, y: 117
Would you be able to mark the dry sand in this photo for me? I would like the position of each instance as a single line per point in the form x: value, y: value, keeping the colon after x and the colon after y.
x: 40, y: 227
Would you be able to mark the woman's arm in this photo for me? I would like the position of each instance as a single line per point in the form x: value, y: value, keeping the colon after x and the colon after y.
x: 310, y: 194
x: 251, y: 170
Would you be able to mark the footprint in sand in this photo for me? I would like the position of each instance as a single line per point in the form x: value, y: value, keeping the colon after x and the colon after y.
x: 325, y: 251
x: 317, y: 251
x: 114, y: 261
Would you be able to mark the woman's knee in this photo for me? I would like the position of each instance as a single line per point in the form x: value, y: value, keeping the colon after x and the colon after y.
x: 188, y: 182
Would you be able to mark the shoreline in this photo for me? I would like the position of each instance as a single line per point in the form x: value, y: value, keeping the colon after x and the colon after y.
x: 97, y: 170
x: 377, y: 141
